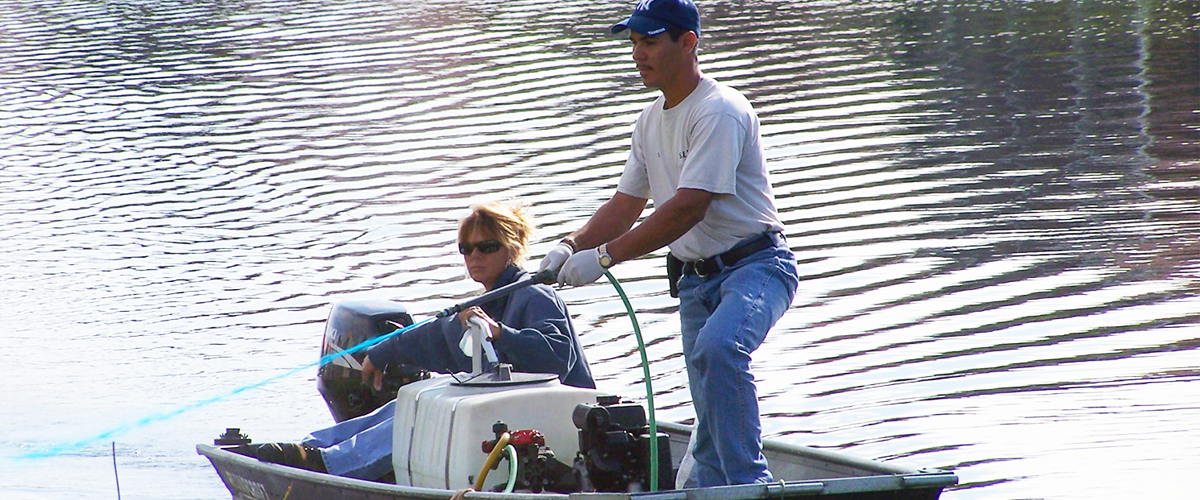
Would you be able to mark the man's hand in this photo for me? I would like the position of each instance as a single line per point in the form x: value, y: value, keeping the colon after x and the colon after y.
x: 371, y: 375
x: 582, y: 268
x: 556, y: 258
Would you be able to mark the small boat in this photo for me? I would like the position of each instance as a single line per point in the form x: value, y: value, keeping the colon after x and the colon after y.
x: 800, y: 472
x: 449, y: 431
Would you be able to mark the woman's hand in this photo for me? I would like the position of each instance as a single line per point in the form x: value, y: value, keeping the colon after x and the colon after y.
x: 370, y: 372
x: 493, y: 329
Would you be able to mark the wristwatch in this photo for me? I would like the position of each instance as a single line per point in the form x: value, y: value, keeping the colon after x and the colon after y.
x: 606, y: 260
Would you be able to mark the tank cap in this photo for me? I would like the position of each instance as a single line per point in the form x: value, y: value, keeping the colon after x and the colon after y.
x: 496, y: 379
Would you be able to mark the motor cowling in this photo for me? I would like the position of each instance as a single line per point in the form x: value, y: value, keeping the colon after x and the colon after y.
x: 339, y: 381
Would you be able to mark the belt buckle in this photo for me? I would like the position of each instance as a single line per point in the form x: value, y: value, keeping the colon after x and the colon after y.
x: 698, y: 266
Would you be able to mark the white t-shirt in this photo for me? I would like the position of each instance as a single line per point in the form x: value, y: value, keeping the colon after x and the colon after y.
x: 710, y: 141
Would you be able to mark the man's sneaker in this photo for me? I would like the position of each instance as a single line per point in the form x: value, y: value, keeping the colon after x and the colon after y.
x: 291, y: 454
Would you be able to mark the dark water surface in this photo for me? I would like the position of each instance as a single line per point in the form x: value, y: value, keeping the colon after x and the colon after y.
x: 996, y: 207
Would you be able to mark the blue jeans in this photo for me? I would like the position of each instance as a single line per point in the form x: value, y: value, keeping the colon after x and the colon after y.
x: 360, y: 447
x: 725, y: 317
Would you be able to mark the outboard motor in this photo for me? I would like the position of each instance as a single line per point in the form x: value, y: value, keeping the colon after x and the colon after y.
x: 614, y: 448
x: 340, y: 381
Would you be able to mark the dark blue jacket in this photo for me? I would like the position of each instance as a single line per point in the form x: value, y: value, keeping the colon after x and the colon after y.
x: 536, y: 337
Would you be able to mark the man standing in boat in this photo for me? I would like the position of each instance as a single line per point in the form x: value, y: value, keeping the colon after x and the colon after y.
x: 696, y: 151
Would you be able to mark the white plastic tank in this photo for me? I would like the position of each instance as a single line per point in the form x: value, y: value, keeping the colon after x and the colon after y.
x: 440, y: 425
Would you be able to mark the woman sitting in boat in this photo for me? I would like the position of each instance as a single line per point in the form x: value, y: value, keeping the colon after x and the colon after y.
x: 529, y: 329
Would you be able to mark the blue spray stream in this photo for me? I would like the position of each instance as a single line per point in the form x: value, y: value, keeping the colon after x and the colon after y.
x: 543, y: 277
x: 63, y: 448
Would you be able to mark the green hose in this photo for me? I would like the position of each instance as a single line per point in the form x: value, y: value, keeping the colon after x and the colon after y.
x: 512, y: 467
x: 637, y: 331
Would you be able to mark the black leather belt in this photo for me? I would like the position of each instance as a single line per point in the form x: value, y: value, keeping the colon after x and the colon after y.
x: 713, y: 265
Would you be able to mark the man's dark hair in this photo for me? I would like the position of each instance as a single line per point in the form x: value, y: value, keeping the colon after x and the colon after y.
x: 676, y: 32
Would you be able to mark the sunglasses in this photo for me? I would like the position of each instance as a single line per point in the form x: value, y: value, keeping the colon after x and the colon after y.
x: 485, y: 246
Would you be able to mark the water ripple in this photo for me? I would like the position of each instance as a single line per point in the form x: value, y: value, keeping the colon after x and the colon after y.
x: 993, y: 210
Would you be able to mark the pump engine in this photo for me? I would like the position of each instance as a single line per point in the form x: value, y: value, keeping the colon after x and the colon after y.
x: 614, y: 448
x: 614, y: 452
x: 537, y: 468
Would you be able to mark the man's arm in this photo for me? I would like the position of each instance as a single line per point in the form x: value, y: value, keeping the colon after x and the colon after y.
x: 612, y: 223
x: 613, y: 219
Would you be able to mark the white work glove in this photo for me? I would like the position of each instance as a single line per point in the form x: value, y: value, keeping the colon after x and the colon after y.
x: 582, y: 268
x: 556, y: 258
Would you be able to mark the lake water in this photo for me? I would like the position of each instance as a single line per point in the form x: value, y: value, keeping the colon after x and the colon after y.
x: 995, y: 206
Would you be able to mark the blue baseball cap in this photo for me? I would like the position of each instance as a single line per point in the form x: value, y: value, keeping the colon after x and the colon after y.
x: 652, y: 17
